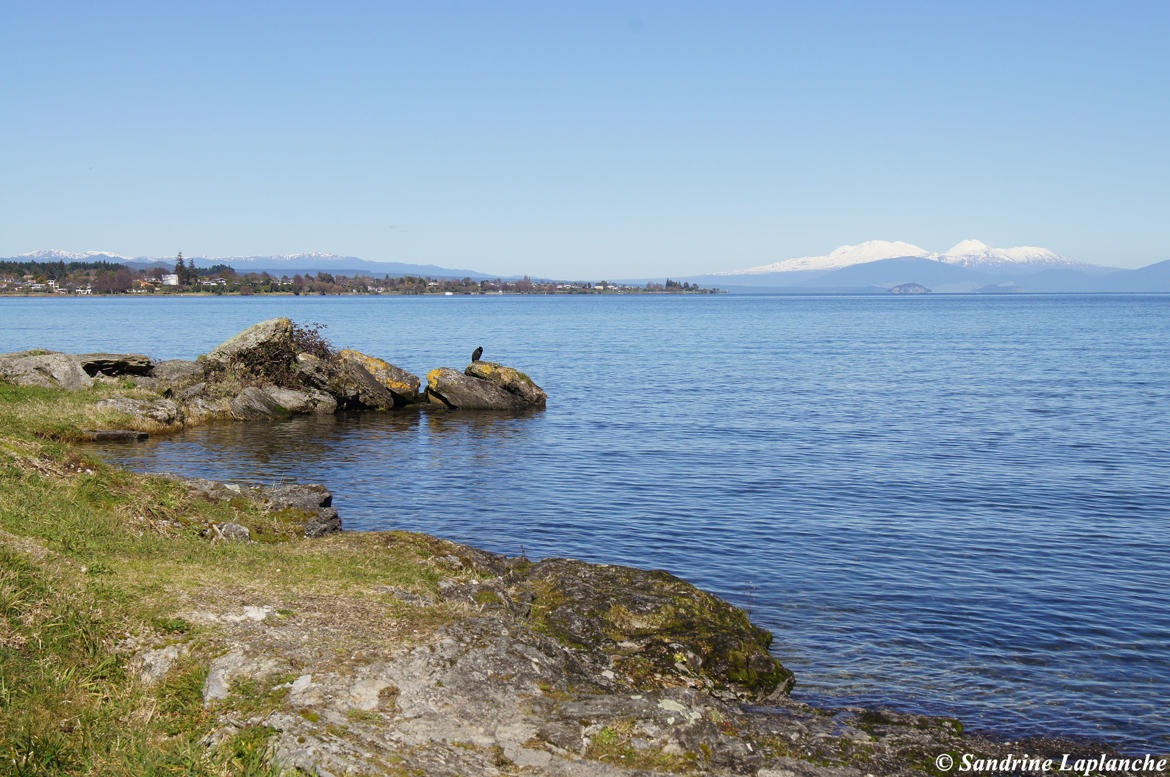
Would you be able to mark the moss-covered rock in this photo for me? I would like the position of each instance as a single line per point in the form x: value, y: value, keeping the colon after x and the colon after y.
x: 659, y: 629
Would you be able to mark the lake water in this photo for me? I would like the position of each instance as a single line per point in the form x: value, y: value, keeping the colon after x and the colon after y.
x: 952, y: 504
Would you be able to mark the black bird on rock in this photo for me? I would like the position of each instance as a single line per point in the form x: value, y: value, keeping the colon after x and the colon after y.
x: 478, y: 352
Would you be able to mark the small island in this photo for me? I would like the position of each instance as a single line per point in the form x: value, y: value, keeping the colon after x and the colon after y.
x: 910, y: 288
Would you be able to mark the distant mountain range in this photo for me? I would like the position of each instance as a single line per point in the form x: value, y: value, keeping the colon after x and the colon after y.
x: 287, y: 264
x: 875, y: 266
x: 969, y: 266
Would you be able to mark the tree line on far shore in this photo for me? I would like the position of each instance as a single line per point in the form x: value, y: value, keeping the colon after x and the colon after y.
x: 101, y: 277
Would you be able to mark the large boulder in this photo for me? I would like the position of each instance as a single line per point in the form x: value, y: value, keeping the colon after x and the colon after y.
x: 115, y: 363
x: 401, y: 383
x: 43, y: 368
x: 511, y: 380
x: 347, y: 381
x: 458, y: 391
x: 272, y: 330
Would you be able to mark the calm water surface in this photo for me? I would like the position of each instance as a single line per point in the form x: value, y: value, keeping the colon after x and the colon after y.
x: 951, y: 504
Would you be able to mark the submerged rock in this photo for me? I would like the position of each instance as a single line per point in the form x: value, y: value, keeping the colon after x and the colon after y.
x: 401, y: 383
x: 48, y: 369
x: 458, y: 391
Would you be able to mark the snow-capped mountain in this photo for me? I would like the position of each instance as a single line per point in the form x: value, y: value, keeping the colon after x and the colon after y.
x: 967, y: 253
x: 845, y: 256
x: 53, y: 255
x: 975, y: 253
x: 309, y: 262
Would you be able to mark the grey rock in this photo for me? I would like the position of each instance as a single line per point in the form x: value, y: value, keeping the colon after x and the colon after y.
x: 300, y: 402
x: 43, y: 368
x: 115, y: 363
x: 177, y: 372
x: 232, y: 665
x: 347, y: 381
x: 459, y: 391
x: 199, y: 409
x: 257, y: 334
x: 255, y: 404
x: 160, y: 411
x: 151, y: 665
x: 400, y: 383
x: 325, y: 521
x: 190, y: 392
x: 230, y: 532
x: 510, y: 379
x: 311, y: 498
x: 301, y: 496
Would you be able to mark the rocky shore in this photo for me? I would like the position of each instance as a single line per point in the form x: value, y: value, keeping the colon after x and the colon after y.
x: 271, y: 370
x: 392, y: 653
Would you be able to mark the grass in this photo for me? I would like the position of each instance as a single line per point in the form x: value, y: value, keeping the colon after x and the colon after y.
x: 91, y: 556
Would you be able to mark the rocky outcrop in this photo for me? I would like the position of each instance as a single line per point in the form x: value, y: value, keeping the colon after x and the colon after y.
x: 458, y: 391
x: 312, y: 499
x: 48, y: 369
x: 524, y: 674
x: 511, y: 380
x: 659, y: 630
x: 114, y: 364
x: 271, y: 370
x: 398, y: 381
x: 161, y: 412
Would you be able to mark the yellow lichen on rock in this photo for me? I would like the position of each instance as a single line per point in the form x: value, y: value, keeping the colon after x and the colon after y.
x: 510, y: 379
x: 401, y: 383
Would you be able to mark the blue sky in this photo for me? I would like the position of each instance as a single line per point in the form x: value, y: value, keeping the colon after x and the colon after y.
x: 587, y: 139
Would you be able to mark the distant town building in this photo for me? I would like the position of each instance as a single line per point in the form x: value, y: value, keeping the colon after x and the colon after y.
x: 170, y: 279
